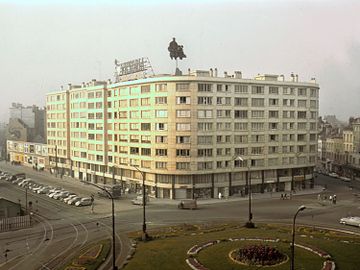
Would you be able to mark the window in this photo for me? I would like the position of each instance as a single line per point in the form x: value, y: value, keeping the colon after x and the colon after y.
x: 313, y: 93
x: 145, y: 88
x: 183, y: 113
x: 182, y: 139
x: 313, y: 104
x: 145, y: 114
x: 204, y: 113
x: 134, y: 126
x: 240, y: 126
x: 240, y: 139
x: 273, y: 126
x: 182, y: 87
x: 204, y: 100
x: 273, y: 102
x: 257, y: 138
x: 134, y: 138
x: 145, y: 126
x: 302, y: 92
x: 161, y: 113
x: 182, y: 100
x: 161, y: 165
x: 302, y: 103
x: 273, y: 149
x: 134, y: 150
x: 241, y: 102
x: 160, y: 87
x: 205, y: 126
x: 146, y: 151
x: 257, y: 102
x: 183, y: 126
x: 301, y: 115
x: 204, y: 87
x: 205, y: 165
x: 123, y: 103
x: 145, y: 101
x: 301, y: 126
x: 239, y: 88
x: 161, y: 152
x: 273, y: 90
x: 205, y: 152
x: 257, y: 126
x: 257, y: 89
x: 161, y: 139
x: 182, y: 152
x: 273, y: 114
x: 134, y: 114
x: 134, y: 102
x: 182, y: 165
x: 257, y: 150
x: 240, y: 114
x: 241, y: 151
x: 161, y: 100
x: 273, y: 138
x: 145, y: 138
x: 257, y: 114
x: 161, y: 126
x: 204, y: 139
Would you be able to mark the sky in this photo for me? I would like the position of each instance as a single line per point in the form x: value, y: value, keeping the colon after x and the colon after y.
x: 46, y: 44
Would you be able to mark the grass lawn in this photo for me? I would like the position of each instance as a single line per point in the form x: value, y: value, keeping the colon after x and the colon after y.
x: 169, y: 248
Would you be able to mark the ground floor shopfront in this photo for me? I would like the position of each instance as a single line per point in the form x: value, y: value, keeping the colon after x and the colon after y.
x: 207, y: 185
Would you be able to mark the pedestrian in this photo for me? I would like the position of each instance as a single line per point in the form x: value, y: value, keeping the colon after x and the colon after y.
x: 334, y: 199
x: 285, y: 196
x: 330, y: 198
x: 290, y: 195
x: 220, y: 195
x: 319, y: 197
x: 282, y: 196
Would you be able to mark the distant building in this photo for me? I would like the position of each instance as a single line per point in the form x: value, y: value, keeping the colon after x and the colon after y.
x: 26, y: 123
x: 29, y: 154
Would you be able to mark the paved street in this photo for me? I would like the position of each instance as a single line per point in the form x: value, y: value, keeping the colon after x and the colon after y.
x: 63, y: 229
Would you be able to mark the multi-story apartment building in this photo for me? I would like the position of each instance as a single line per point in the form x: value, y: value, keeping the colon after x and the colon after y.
x: 189, y: 136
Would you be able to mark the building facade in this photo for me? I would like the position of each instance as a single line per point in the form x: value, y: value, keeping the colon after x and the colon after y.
x: 189, y: 136
x: 29, y: 154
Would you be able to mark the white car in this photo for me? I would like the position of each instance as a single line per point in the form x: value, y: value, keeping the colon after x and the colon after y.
x: 345, y: 179
x: 43, y: 190
x: 68, y: 198
x: 353, y: 221
x: 335, y: 175
x: 51, y: 195
x: 84, y: 202
x: 74, y: 200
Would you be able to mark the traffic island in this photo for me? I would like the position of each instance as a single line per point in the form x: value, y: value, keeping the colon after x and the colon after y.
x: 207, y: 246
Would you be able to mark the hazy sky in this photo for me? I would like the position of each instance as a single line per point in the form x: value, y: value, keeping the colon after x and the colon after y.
x: 46, y: 44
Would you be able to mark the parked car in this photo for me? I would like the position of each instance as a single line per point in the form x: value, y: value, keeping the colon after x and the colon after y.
x: 352, y: 221
x: 44, y: 190
x: 187, y: 204
x: 51, y: 195
x: 84, y: 202
x: 74, y: 200
x: 335, y: 175
x: 68, y: 198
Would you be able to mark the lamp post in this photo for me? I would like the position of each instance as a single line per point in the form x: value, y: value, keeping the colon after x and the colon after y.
x: 113, y: 221
x: 145, y: 236
x: 301, y: 208
x: 249, y: 223
x: 56, y: 161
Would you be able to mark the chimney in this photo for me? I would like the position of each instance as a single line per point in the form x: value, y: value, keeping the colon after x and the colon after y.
x: 225, y: 74
x: 83, y: 84
x: 292, y: 77
x: 215, y: 73
x: 281, y: 78
x: 296, y: 78
x: 189, y: 71
x: 313, y: 80
x: 69, y: 86
x: 211, y: 72
x: 109, y: 81
x: 61, y: 88
x: 238, y: 74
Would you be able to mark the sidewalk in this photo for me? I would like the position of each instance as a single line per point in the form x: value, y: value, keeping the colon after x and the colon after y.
x: 255, y: 196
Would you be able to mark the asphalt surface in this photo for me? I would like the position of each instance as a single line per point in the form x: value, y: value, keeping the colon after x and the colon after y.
x: 61, y: 230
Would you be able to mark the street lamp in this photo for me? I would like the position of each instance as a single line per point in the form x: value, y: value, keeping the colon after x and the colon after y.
x: 145, y: 236
x: 113, y: 220
x: 249, y: 223
x: 301, y: 208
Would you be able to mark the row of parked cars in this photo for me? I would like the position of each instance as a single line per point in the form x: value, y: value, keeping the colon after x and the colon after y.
x: 334, y: 175
x: 57, y: 193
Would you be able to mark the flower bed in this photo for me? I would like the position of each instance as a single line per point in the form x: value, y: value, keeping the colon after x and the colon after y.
x: 259, y: 255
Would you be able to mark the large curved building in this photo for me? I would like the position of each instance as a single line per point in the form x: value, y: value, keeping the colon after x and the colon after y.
x: 195, y: 135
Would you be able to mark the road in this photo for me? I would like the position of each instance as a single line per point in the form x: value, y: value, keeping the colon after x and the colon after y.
x: 61, y: 229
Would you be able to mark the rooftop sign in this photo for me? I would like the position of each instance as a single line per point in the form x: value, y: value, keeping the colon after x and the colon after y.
x: 131, y: 70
